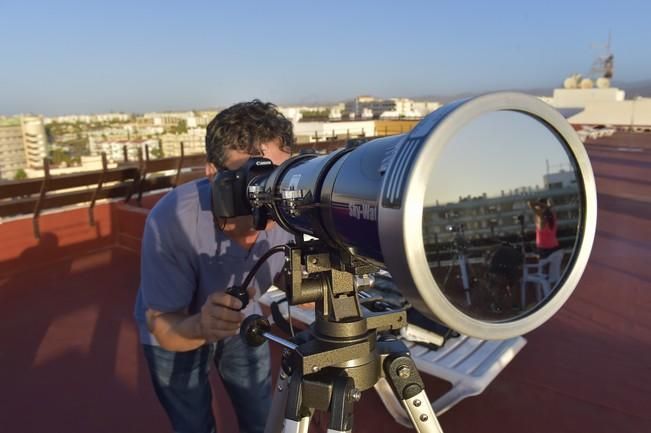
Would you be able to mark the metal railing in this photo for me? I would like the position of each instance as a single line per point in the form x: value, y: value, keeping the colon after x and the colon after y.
x: 130, y: 179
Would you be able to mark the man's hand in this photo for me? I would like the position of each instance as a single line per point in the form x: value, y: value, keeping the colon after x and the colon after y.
x: 219, y: 317
x: 179, y: 332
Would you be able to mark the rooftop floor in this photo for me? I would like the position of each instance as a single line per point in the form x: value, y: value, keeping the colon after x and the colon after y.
x: 71, y: 360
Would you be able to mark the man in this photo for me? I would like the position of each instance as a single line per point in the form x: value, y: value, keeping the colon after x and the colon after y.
x: 189, y: 257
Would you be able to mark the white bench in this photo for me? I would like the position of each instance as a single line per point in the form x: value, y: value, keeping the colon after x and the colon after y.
x: 469, y: 364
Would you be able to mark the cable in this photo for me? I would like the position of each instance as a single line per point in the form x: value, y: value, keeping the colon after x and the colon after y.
x: 256, y: 267
x: 260, y: 262
x: 289, y: 319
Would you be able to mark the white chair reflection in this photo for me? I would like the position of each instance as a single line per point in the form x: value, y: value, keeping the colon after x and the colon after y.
x: 544, y: 275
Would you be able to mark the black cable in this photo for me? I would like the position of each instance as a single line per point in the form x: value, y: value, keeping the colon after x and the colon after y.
x: 260, y: 262
x: 256, y: 267
x: 289, y: 317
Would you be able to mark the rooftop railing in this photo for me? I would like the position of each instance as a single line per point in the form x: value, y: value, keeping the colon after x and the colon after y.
x: 129, y: 180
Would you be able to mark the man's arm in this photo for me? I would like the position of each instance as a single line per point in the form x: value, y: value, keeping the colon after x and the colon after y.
x: 180, y: 332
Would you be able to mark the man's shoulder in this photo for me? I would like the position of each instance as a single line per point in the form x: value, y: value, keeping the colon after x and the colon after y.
x: 184, y: 201
x: 278, y: 236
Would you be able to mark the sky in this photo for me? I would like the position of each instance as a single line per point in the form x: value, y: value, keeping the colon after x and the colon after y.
x: 511, y: 150
x: 64, y: 57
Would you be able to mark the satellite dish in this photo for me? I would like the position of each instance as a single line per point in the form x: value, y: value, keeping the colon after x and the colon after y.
x: 603, y: 83
x: 586, y: 83
x: 569, y: 83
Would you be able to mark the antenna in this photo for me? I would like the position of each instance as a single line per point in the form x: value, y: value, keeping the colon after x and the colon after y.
x: 603, y: 65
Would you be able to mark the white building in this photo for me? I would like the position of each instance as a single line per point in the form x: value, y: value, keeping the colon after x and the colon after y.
x: 606, y: 106
x: 34, y: 140
x: 392, y: 108
x: 296, y: 113
x: 172, y: 118
x: 310, y: 132
x: 12, y: 149
x: 114, y: 149
x: 89, y: 118
x: 632, y: 114
x: 560, y: 179
x: 368, y: 107
x: 573, y: 98
x: 194, y: 142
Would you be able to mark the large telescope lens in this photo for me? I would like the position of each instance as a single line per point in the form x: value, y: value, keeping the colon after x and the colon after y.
x: 484, y: 214
x: 495, y: 181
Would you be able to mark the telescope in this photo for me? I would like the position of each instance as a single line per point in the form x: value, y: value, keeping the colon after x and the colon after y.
x: 397, y: 204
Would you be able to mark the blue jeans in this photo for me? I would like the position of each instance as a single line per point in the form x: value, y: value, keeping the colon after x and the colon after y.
x: 181, y: 382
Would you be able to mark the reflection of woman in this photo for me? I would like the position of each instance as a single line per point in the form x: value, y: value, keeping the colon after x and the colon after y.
x: 546, y: 227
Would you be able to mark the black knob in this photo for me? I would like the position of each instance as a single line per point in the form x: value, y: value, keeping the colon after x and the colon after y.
x: 252, y: 329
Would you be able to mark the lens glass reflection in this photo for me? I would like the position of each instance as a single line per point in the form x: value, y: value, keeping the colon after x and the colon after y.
x: 501, y: 216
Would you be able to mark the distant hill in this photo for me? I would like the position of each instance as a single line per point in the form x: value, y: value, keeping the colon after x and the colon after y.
x: 633, y: 89
x: 636, y: 88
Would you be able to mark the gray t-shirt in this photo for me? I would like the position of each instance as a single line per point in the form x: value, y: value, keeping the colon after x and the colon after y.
x: 185, y: 258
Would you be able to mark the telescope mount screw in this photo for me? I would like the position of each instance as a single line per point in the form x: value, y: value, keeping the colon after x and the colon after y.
x: 404, y: 372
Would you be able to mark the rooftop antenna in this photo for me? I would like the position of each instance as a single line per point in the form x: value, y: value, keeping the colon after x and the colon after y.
x: 603, y: 65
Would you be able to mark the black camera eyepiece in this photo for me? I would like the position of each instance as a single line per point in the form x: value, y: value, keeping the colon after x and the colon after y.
x: 230, y: 188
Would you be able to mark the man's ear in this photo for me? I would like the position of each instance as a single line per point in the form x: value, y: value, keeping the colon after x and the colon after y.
x: 211, y: 170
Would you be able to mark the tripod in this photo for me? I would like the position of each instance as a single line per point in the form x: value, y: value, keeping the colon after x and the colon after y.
x: 462, y: 261
x: 342, y: 354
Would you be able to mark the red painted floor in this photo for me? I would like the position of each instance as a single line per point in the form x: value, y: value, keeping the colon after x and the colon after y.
x: 70, y: 359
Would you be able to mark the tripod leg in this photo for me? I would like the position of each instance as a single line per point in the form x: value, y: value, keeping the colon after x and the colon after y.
x: 276, y: 414
x: 391, y: 403
x: 301, y: 426
x: 463, y: 268
x: 341, y: 405
x: 401, y: 373
x: 297, y: 418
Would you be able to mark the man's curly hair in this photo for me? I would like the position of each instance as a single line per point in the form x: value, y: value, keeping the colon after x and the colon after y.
x: 244, y: 127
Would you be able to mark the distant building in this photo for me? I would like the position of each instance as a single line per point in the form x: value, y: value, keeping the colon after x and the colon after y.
x: 484, y: 217
x: 559, y: 180
x: 35, y: 141
x: 89, y: 118
x: 12, y: 150
x: 23, y: 144
x: 192, y: 119
x: 362, y: 105
x: 194, y: 142
x: 310, y: 132
x: 115, y: 149
x: 307, y: 113
x: 392, y: 108
x: 603, y: 106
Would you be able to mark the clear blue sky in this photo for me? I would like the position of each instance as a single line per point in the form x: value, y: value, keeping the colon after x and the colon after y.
x: 62, y: 57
